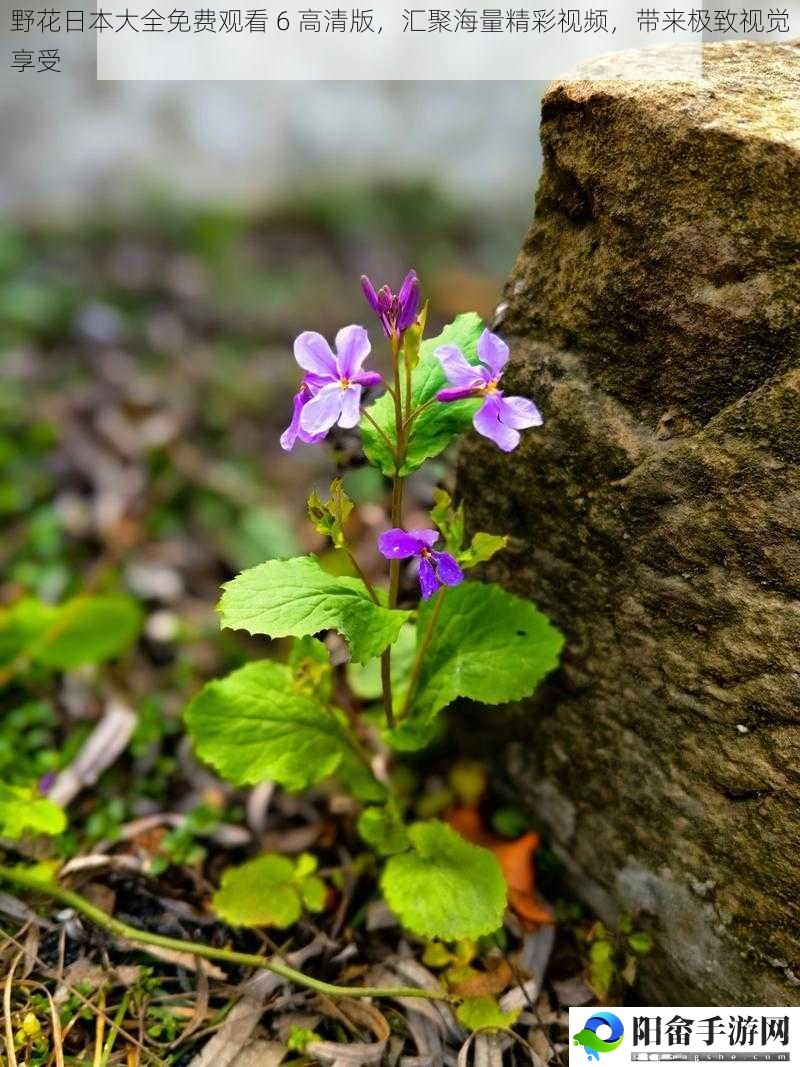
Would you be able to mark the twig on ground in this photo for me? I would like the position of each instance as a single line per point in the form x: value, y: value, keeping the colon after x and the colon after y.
x: 27, y: 880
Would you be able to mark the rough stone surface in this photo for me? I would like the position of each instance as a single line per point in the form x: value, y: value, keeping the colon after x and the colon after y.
x: 654, y: 313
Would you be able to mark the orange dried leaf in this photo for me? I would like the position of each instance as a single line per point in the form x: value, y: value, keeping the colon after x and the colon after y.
x: 516, y: 861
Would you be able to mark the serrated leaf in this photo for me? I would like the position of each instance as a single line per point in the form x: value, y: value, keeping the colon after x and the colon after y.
x: 488, y: 645
x: 383, y: 829
x: 269, y: 891
x: 254, y: 725
x: 296, y: 598
x: 445, y: 887
x: 483, y: 1013
x: 23, y: 810
x: 434, y: 428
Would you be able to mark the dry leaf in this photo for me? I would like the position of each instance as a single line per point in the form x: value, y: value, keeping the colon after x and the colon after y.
x: 516, y: 861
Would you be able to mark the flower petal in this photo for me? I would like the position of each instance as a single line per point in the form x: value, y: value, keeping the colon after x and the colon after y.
x: 315, y: 382
x: 352, y: 348
x: 313, y: 353
x: 457, y: 370
x: 370, y: 293
x: 428, y: 582
x: 426, y: 537
x: 447, y: 569
x: 448, y: 395
x: 408, y: 301
x: 407, y: 289
x: 493, y: 352
x: 397, y: 544
x: 519, y: 412
x: 351, y: 407
x: 322, y: 411
x: 486, y: 421
x: 290, y: 434
x: 367, y: 378
x: 294, y: 431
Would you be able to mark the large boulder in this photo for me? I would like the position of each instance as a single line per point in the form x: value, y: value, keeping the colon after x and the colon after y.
x: 654, y: 314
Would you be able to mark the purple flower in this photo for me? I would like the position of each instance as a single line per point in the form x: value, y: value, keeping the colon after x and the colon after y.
x: 500, y: 418
x: 294, y: 431
x: 435, y: 568
x: 330, y: 391
x: 397, y: 311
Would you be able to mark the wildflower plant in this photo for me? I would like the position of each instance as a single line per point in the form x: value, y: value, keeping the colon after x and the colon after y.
x: 464, y: 639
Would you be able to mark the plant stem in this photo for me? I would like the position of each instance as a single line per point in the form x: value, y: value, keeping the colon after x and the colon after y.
x: 396, y: 521
x: 421, y: 651
x: 26, y: 880
x: 367, y: 583
x: 408, y: 390
x: 116, y: 1025
x: 382, y: 433
x: 417, y: 411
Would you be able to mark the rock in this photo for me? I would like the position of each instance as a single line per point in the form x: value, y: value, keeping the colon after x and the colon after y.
x: 654, y: 313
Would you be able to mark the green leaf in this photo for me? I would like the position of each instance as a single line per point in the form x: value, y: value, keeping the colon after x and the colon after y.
x: 254, y: 725
x: 82, y: 630
x: 295, y: 598
x: 412, y: 339
x: 311, y: 667
x: 300, y: 1039
x: 641, y: 943
x: 510, y: 822
x: 365, y: 681
x: 414, y: 733
x: 44, y: 873
x: 483, y: 1013
x: 484, y: 546
x: 435, y: 427
x: 23, y: 810
x: 21, y: 625
x: 602, y: 968
x: 445, y: 887
x: 450, y: 522
x: 88, y: 630
x: 314, y: 893
x: 383, y: 829
x: 329, y: 518
x: 269, y: 891
x: 487, y: 645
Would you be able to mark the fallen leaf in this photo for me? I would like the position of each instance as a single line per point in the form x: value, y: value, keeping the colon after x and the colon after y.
x: 515, y: 859
x: 489, y: 983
